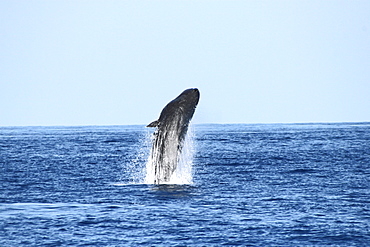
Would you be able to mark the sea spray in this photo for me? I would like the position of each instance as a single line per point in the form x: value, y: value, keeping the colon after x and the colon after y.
x: 135, y: 171
x: 183, y: 173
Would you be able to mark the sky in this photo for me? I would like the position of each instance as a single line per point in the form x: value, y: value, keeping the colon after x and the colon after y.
x: 120, y: 62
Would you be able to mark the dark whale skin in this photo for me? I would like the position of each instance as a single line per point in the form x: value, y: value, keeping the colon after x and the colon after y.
x: 172, y: 126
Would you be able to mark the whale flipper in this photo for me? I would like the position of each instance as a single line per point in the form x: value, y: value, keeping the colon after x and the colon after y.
x: 153, y: 124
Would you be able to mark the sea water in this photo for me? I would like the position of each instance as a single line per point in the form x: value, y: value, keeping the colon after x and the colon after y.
x: 247, y: 185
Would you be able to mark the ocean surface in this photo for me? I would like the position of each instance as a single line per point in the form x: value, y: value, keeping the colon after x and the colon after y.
x: 248, y: 185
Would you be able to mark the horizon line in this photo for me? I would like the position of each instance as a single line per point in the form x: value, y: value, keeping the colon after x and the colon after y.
x: 225, y: 123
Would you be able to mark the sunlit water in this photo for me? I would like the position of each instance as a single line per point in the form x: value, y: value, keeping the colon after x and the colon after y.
x: 248, y: 185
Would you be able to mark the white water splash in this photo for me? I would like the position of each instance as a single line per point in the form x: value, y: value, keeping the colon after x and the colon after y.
x: 184, y: 170
x: 137, y: 167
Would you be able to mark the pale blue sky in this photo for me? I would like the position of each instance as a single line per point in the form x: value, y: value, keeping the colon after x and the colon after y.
x: 120, y: 62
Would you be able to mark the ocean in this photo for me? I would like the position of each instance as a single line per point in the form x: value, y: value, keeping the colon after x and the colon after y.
x: 237, y: 185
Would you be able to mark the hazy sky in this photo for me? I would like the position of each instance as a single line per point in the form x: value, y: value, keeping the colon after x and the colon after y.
x: 120, y: 62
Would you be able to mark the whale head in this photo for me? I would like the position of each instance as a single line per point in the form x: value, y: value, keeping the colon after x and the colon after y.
x: 182, y: 106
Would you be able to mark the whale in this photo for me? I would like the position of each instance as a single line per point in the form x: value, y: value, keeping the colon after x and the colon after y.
x: 169, y: 135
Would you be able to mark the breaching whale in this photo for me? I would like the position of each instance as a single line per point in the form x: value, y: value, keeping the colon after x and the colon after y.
x: 171, y: 129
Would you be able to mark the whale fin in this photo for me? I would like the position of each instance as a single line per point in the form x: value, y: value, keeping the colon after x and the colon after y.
x: 153, y: 124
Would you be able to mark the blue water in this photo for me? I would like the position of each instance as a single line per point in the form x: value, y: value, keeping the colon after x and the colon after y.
x: 252, y: 185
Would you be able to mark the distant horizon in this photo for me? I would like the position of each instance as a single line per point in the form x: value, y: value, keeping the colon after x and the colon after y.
x: 192, y: 124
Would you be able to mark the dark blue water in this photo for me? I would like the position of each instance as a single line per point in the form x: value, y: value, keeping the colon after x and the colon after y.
x: 253, y: 185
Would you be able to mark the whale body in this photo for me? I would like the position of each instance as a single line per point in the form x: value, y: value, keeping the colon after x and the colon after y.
x: 168, y: 138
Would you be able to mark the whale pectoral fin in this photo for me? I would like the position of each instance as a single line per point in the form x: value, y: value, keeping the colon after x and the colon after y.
x: 153, y: 124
